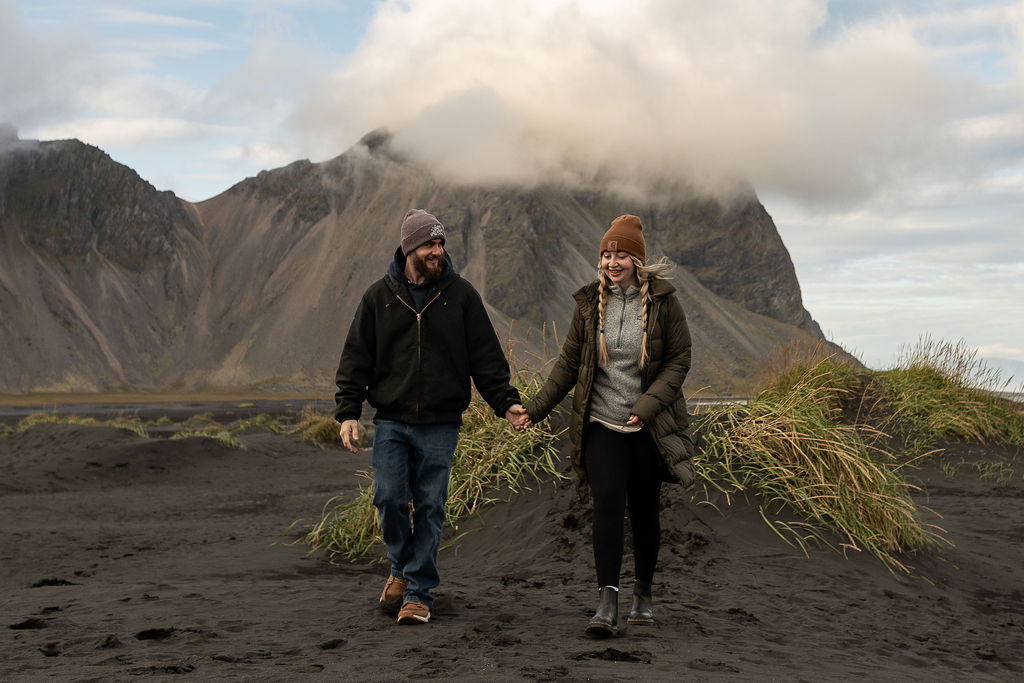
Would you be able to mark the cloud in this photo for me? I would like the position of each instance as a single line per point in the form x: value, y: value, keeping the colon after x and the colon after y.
x: 126, y: 16
x: 1000, y: 350
x: 42, y: 78
x: 261, y: 155
x: 659, y: 88
x: 118, y: 132
x: 874, y: 304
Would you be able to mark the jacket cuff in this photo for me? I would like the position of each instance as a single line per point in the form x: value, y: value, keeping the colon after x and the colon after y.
x: 646, y: 408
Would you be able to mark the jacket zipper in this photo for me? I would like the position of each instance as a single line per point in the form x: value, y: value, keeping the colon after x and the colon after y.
x: 622, y: 318
x: 419, y: 337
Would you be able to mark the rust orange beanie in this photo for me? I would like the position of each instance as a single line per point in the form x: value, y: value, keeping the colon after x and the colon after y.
x: 626, y: 234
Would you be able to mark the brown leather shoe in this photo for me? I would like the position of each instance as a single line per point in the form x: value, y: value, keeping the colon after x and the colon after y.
x: 391, y: 597
x: 414, y: 613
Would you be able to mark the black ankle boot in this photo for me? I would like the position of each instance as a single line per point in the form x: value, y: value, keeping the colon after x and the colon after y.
x: 641, y: 612
x: 605, y: 621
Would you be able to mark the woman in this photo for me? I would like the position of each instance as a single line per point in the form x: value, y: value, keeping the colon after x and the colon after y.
x: 627, y: 354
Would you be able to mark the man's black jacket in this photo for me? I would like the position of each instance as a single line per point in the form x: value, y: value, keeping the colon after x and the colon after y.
x: 415, y: 367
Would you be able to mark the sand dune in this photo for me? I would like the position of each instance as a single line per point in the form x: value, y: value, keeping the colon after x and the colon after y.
x: 126, y: 557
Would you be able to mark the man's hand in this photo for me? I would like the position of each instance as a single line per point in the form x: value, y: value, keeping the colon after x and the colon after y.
x: 518, y: 416
x: 350, y: 434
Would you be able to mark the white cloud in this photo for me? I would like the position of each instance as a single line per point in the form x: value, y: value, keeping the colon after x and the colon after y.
x: 44, y: 78
x: 733, y: 89
x: 126, y: 16
x: 115, y: 132
x: 1001, y: 351
x: 153, y: 49
x: 260, y: 155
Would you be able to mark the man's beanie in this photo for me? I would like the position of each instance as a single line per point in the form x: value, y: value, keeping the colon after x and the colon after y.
x: 626, y: 234
x: 418, y: 228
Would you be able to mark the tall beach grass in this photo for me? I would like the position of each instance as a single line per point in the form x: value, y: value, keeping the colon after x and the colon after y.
x: 941, y: 390
x: 791, y: 450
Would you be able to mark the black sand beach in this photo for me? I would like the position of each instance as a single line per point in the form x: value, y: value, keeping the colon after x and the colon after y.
x: 126, y: 557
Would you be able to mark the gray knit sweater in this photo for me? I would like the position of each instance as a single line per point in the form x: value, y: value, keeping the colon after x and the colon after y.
x: 617, y: 384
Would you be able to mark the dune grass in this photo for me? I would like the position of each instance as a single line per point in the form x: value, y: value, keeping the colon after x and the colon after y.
x: 223, y: 436
x: 131, y: 424
x: 312, y: 427
x: 790, y: 447
x: 257, y: 423
x: 491, y: 456
x: 347, y: 528
x: 941, y: 390
x: 315, y: 427
x: 828, y: 443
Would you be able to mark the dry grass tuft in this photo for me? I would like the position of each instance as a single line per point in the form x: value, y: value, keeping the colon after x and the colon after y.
x: 316, y: 428
x: 941, y: 390
x: 789, y: 447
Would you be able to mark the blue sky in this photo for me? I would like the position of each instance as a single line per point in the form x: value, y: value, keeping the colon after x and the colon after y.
x: 886, y: 139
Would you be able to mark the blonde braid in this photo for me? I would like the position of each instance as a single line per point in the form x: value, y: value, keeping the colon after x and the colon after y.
x: 645, y: 299
x: 602, y: 302
x: 647, y: 273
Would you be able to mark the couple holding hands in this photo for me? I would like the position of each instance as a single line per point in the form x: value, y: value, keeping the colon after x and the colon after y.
x: 421, y: 333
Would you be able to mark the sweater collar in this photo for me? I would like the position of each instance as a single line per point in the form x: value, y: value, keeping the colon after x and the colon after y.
x: 631, y: 293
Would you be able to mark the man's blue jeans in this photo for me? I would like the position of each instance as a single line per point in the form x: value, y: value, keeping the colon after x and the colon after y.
x: 412, y: 463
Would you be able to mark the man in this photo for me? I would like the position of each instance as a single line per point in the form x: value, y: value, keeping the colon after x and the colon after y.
x: 418, y: 336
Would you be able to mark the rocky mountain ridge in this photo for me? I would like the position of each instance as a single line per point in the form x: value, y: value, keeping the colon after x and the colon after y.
x: 107, y: 284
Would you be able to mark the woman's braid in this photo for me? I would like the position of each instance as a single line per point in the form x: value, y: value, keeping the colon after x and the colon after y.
x: 645, y: 298
x: 602, y: 302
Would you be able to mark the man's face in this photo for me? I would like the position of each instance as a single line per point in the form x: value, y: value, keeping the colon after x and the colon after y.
x: 428, y: 259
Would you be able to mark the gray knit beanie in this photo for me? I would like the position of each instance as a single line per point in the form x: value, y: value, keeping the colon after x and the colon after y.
x: 418, y: 228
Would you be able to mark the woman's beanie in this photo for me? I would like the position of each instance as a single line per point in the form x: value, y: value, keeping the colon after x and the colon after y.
x: 626, y: 234
x: 418, y: 228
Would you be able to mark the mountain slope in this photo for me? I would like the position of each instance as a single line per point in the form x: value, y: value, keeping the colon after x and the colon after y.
x: 98, y: 272
x: 107, y: 284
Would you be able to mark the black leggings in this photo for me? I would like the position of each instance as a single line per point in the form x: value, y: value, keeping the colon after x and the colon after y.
x: 623, y: 467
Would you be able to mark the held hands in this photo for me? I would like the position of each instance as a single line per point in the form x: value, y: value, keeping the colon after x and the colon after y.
x: 350, y: 434
x: 519, y: 418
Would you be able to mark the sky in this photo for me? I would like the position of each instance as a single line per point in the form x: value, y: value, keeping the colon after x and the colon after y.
x: 886, y: 139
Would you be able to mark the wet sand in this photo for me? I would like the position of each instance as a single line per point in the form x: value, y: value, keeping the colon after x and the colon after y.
x: 125, y: 557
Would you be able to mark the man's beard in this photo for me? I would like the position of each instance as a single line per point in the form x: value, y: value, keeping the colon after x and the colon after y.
x: 430, y: 268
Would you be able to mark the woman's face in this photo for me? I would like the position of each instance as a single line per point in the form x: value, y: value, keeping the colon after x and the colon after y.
x: 619, y: 268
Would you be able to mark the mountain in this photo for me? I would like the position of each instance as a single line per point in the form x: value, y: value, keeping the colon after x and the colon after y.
x: 108, y: 284
x: 98, y: 273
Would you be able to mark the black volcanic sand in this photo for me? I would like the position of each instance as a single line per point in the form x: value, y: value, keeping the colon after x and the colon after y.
x: 124, y: 557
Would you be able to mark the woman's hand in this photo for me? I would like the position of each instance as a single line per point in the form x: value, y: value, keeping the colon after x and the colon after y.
x: 634, y: 421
